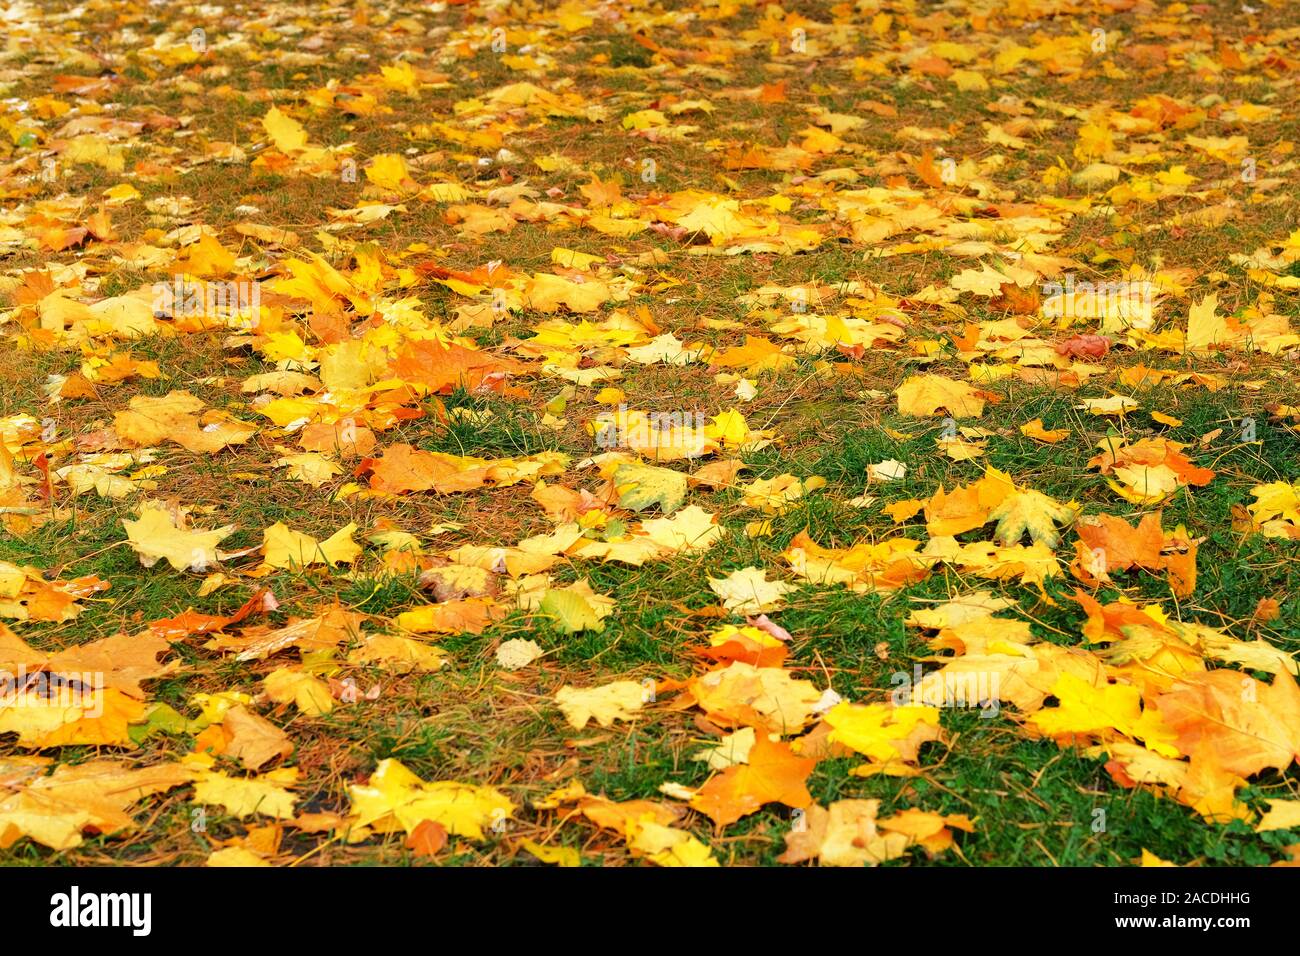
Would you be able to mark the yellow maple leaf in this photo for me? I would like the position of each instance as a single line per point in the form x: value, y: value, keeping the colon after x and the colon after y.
x: 619, y: 700
x: 1206, y: 329
x: 310, y: 467
x: 154, y: 535
x: 286, y: 132
x: 923, y: 395
x: 668, y: 846
x: 548, y: 293
x: 1281, y: 815
x: 883, y: 732
x: 241, y: 797
x: 564, y: 856
x: 1151, y: 860
x: 395, y: 798
x: 388, y: 171
x: 208, y: 257
x: 54, y: 810
x: 717, y: 218
x: 1032, y: 512
x: 768, y: 696
x: 1035, y: 430
x: 285, y: 548
x: 235, y: 856
x: 252, y: 739
x: 691, y: 529
x: 309, y: 694
x: 1088, y: 710
x: 1276, y: 509
x: 748, y: 591
x: 845, y: 834
x: 395, y: 653
x: 576, y: 607
x: 730, y: 430
x: 150, y: 420
x: 639, y: 486
x: 68, y: 716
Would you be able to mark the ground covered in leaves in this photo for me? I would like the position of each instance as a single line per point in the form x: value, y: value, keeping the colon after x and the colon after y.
x: 618, y: 433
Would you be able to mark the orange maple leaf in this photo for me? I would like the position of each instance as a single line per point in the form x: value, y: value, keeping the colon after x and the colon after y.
x: 773, y: 775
